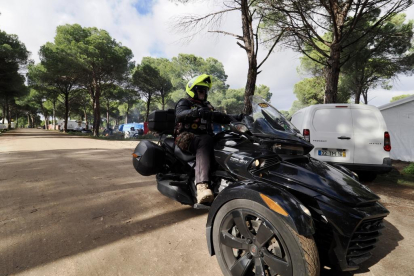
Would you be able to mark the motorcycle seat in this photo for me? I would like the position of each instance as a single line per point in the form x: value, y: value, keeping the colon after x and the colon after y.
x: 183, y: 156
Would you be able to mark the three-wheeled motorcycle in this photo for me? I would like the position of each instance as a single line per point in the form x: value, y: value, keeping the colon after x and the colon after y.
x: 277, y: 211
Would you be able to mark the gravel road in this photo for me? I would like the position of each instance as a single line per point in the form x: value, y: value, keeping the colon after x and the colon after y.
x: 75, y: 206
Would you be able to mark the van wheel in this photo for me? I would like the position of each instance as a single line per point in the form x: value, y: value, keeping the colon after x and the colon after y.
x: 250, y: 239
x: 367, y: 176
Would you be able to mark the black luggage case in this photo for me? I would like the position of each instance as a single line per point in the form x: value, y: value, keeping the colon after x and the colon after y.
x: 162, y: 121
x: 150, y: 160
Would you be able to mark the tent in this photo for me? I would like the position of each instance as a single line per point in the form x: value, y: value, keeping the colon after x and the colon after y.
x: 399, y: 117
x: 127, y: 127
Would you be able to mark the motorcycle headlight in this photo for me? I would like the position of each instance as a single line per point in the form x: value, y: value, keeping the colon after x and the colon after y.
x: 305, y: 210
x: 241, y: 127
x: 255, y: 164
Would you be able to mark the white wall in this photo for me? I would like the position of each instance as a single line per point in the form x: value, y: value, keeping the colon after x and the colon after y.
x: 400, y: 124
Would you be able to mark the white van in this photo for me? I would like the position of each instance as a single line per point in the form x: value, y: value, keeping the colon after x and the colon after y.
x: 354, y: 136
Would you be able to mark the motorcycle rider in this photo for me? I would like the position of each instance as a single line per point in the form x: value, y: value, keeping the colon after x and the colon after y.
x: 194, y: 116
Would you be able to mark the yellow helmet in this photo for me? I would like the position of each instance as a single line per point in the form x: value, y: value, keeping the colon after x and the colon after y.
x: 202, y: 80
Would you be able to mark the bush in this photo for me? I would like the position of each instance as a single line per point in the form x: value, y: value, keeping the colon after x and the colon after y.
x: 409, y: 169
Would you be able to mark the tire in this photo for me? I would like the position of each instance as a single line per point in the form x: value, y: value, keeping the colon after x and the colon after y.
x: 268, y: 243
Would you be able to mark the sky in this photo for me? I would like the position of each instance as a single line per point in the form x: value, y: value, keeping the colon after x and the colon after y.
x: 145, y: 26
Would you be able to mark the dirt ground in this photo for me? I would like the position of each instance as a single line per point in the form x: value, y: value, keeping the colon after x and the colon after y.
x: 75, y: 206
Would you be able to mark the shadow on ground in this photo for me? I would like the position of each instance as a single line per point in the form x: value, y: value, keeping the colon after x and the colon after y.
x: 59, y: 203
x: 39, y: 133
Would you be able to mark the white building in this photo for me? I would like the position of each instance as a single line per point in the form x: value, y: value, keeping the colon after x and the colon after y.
x: 399, y: 117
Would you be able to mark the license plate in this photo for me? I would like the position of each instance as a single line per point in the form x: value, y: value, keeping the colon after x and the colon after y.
x: 332, y: 153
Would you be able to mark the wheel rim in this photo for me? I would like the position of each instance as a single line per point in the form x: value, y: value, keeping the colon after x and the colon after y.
x: 251, y: 245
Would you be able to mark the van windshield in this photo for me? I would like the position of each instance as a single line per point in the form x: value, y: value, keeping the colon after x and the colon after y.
x: 265, y: 119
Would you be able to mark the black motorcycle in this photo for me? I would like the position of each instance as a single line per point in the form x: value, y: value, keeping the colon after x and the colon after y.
x: 277, y: 211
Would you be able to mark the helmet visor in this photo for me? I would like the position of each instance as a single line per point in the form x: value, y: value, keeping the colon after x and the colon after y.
x: 201, y: 89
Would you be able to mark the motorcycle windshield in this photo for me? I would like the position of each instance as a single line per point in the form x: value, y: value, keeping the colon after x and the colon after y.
x: 265, y: 119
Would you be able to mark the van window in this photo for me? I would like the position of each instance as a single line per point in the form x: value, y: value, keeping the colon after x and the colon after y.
x: 365, y: 120
x: 297, y: 120
x: 337, y: 120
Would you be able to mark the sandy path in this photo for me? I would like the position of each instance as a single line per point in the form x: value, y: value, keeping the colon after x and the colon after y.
x: 76, y: 206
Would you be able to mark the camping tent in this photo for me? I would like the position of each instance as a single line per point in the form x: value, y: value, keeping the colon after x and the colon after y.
x: 399, y: 117
x: 127, y: 127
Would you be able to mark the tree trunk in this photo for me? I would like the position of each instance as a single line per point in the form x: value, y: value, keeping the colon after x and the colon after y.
x: 28, y: 120
x: 45, y: 115
x: 96, y: 109
x: 65, y: 128
x: 86, y: 118
x: 332, y: 77
x: 365, y: 95
x: 107, y: 114
x: 162, y: 99
x: 92, y: 94
x: 53, y: 116
x: 126, y: 114
x: 249, y: 47
x: 148, y: 108
x: 32, y: 120
x: 358, y: 94
x: 8, y: 113
x: 4, y: 113
x: 250, y: 86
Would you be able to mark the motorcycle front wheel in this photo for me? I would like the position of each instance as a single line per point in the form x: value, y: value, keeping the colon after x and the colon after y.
x: 250, y: 239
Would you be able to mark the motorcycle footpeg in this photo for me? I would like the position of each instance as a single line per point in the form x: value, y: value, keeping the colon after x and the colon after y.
x: 201, y: 206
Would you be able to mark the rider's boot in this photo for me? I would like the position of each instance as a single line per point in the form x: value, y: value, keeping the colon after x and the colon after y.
x: 204, y: 194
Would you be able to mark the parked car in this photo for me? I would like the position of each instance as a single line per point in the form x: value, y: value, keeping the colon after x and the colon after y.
x: 350, y: 135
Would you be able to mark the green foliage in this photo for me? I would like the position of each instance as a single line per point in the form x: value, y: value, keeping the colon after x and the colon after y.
x: 409, y: 169
x: 311, y: 91
x: 232, y: 100
x: 379, y: 56
x: 396, y: 98
x: 187, y: 66
x: 95, y: 58
x: 12, y: 50
x: 368, y: 59
x: 161, y: 78
x: 13, y: 55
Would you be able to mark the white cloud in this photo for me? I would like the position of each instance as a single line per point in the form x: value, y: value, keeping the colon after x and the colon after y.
x: 35, y: 23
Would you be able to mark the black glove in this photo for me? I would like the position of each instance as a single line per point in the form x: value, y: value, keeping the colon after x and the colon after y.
x: 236, y: 117
x: 205, y: 113
x: 221, y: 118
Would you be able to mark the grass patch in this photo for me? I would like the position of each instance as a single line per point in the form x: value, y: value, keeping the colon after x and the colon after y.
x: 401, y: 174
x: 409, y: 170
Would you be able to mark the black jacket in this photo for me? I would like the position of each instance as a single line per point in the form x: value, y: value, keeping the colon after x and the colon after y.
x: 197, y: 117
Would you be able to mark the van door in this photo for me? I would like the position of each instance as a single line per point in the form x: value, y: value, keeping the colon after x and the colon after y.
x: 331, y: 134
x: 368, y: 136
x: 297, y: 119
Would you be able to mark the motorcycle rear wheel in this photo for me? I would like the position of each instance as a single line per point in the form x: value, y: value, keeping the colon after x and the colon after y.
x: 250, y: 239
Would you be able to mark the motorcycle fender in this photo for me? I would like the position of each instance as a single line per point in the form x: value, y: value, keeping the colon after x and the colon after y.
x: 290, y: 210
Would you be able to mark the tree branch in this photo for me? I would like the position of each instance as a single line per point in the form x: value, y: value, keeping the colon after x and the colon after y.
x: 239, y: 37
x: 271, y: 49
